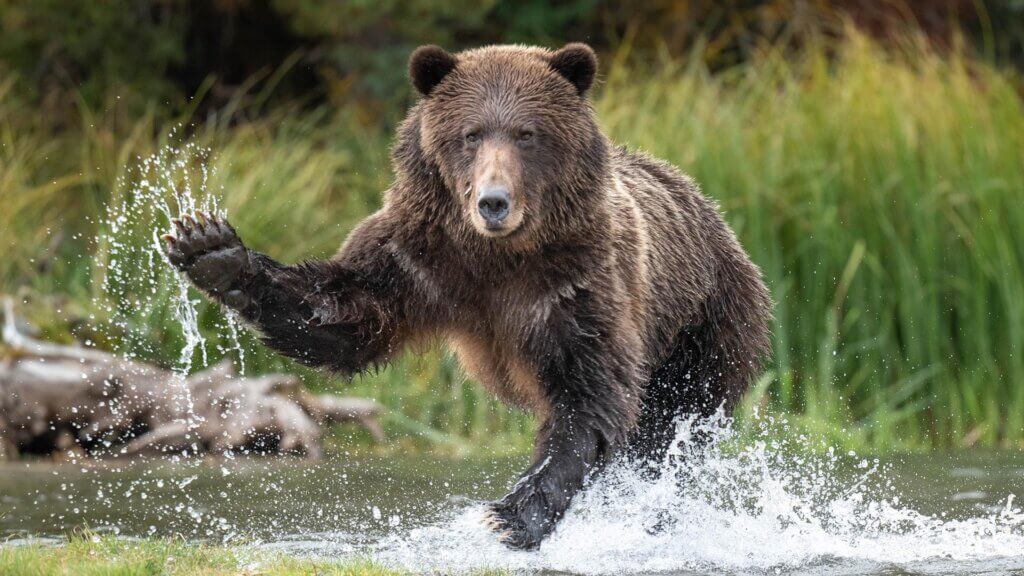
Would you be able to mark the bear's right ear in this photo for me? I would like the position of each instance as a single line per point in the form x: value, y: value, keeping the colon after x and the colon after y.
x: 428, y: 65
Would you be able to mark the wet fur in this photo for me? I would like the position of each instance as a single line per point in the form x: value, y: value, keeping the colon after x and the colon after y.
x: 622, y: 301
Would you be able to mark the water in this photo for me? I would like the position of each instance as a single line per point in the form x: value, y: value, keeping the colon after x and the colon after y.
x: 743, y: 507
x: 138, y: 281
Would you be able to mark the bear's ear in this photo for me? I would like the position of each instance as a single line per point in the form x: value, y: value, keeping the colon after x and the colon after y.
x: 577, y: 63
x: 428, y: 65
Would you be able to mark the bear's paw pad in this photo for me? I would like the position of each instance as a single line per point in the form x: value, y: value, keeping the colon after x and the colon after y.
x: 207, y: 249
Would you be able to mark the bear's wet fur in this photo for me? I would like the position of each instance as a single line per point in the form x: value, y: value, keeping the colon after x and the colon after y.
x: 601, y: 291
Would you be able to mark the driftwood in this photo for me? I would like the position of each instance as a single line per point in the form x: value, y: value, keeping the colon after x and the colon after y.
x: 57, y: 398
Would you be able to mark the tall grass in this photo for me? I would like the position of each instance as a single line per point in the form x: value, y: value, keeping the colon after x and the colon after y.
x: 883, y: 196
x: 881, y: 192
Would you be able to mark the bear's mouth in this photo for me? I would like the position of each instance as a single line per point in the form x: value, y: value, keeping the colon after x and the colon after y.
x: 498, y: 230
x: 504, y: 230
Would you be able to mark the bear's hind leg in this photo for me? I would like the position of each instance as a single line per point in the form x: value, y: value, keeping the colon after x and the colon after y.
x: 678, y: 388
x: 710, y: 367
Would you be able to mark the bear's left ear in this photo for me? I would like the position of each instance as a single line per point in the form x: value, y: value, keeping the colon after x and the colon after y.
x: 577, y: 63
x: 428, y: 65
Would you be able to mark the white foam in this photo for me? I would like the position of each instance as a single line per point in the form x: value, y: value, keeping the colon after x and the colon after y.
x: 752, y: 509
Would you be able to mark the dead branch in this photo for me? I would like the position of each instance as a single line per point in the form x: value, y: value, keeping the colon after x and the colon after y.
x: 55, y: 398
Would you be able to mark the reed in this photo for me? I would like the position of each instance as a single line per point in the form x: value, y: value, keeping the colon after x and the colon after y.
x: 882, y: 193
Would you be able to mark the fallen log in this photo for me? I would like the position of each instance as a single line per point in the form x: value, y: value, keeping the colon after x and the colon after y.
x: 57, y: 398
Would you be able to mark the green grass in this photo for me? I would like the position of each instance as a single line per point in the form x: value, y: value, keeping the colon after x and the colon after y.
x: 881, y: 192
x: 93, y: 555
x: 883, y: 197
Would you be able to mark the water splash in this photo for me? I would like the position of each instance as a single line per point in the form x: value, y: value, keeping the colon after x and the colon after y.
x: 164, y: 185
x: 729, y: 506
x: 746, y: 503
x: 139, y: 285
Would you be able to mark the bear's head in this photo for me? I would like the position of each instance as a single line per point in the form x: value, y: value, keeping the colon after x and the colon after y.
x: 510, y: 132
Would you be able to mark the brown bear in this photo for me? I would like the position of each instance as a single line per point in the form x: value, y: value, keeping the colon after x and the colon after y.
x: 595, y: 287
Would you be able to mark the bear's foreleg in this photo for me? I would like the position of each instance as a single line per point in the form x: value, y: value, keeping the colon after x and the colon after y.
x: 321, y: 313
x: 569, y: 450
x: 591, y: 381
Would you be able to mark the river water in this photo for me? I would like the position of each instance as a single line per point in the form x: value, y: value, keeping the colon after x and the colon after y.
x: 754, y: 508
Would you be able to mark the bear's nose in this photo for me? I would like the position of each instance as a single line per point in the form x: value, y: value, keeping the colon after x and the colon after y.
x: 493, y: 204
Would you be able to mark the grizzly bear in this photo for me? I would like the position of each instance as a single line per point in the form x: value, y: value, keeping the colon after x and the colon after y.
x: 590, y: 285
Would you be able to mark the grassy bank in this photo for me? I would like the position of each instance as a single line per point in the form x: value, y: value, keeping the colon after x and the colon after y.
x: 115, y: 557
x: 880, y: 192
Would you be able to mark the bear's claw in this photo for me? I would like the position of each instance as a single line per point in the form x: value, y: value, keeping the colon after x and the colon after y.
x: 491, y: 521
x: 510, y: 531
x: 207, y: 249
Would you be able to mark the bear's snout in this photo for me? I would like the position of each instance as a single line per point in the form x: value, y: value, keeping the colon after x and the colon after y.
x: 497, y: 206
x: 493, y: 204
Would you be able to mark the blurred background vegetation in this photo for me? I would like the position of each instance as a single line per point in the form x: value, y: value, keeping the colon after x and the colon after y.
x: 870, y: 155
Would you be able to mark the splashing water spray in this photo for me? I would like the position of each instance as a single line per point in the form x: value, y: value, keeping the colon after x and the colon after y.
x: 171, y: 182
x: 726, y: 502
x: 140, y: 286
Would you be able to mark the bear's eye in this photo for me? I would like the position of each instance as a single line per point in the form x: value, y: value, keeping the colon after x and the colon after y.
x: 525, y: 136
x: 472, y: 137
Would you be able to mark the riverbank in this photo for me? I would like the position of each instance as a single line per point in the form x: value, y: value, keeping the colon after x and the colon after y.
x: 91, y: 554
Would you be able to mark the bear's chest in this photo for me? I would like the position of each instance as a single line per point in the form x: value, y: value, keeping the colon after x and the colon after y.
x: 494, y: 334
x: 507, y: 374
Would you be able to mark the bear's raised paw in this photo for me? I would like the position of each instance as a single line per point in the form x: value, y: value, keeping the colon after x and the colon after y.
x: 207, y: 249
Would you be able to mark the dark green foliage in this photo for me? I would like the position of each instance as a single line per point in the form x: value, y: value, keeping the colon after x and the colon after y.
x: 95, y: 49
x: 167, y: 51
